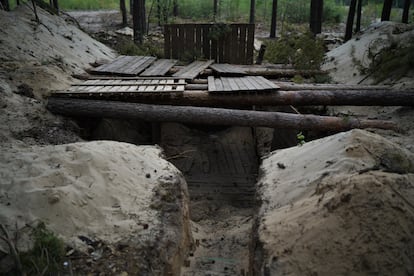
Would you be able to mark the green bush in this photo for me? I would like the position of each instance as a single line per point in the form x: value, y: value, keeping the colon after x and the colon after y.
x: 303, y: 51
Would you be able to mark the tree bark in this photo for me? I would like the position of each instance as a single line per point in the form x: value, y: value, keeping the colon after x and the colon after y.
x: 359, y: 14
x: 406, y: 10
x: 252, y: 11
x: 122, y: 7
x: 386, y: 10
x: 350, y: 20
x: 209, y: 116
x: 139, y: 20
x: 215, y: 8
x: 175, y: 8
x: 321, y: 96
x: 316, y: 16
x: 273, y: 24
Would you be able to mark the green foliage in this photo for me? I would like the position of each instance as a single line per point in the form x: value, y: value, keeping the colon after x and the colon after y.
x: 301, y: 138
x: 332, y: 12
x: 127, y: 47
x: 394, y: 62
x: 47, y: 254
x: 303, y: 51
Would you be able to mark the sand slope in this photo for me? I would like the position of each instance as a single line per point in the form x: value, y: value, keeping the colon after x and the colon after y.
x: 102, y: 190
x: 341, y: 205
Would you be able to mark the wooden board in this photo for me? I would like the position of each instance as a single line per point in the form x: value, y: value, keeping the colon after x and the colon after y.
x: 159, y: 68
x: 192, y: 70
x: 125, y: 66
x: 118, y: 87
x: 226, y: 69
x: 248, y: 84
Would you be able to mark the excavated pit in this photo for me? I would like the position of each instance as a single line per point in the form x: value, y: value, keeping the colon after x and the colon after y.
x: 220, y: 165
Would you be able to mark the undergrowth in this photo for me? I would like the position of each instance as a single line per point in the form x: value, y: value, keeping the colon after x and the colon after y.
x: 303, y: 51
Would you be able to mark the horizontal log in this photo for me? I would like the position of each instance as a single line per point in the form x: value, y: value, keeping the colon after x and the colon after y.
x: 208, y: 116
x: 379, y: 97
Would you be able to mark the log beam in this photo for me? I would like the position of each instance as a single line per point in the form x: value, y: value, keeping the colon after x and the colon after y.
x: 208, y: 116
x: 378, y: 97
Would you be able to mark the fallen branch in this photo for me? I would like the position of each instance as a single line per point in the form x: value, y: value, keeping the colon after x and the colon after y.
x: 12, y: 248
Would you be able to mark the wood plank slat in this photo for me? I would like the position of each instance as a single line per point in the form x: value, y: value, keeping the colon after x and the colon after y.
x: 193, y: 70
x: 159, y: 68
x: 249, y: 84
x: 125, y: 65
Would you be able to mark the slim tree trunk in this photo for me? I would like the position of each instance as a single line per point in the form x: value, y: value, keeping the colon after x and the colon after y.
x: 274, y: 20
x: 175, y: 8
x: 122, y: 7
x: 159, y: 16
x: 386, y: 10
x: 316, y: 16
x: 359, y: 14
x: 406, y: 11
x: 252, y: 11
x: 139, y: 20
x: 215, y: 8
x: 350, y: 20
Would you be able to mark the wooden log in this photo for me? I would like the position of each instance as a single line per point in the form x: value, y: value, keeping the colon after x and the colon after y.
x: 383, y: 97
x: 209, y: 116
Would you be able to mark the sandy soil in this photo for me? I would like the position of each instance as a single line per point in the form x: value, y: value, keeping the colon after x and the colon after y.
x: 340, y: 205
x: 117, y: 206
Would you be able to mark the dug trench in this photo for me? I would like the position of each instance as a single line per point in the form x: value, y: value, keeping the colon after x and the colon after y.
x: 221, y: 166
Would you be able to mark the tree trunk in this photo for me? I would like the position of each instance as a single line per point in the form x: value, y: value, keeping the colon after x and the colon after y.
x: 5, y: 5
x: 122, y: 7
x: 359, y: 14
x: 406, y: 11
x: 350, y: 20
x: 215, y: 8
x: 159, y: 16
x: 175, y: 8
x: 252, y: 11
x: 274, y: 20
x: 139, y: 20
x: 209, y: 116
x: 386, y: 10
x: 321, y: 95
x: 316, y: 16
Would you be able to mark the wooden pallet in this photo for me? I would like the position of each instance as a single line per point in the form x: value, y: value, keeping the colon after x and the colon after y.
x: 125, y: 66
x: 228, y: 69
x: 248, y: 84
x: 192, y: 70
x: 159, y: 68
x: 118, y: 87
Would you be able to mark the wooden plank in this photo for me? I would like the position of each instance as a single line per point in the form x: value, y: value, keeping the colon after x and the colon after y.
x: 228, y: 69
x: 242, y: 44
x: 125, y: 65
x: 211, y: 84
x: 249, y: 44
x: 167, y: 41
x: 206, y: 42
x: 192, y: 70
x: 159, y: 68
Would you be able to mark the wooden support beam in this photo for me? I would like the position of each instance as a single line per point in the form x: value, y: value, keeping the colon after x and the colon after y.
x: 208, y: 116
x: 379, y: 97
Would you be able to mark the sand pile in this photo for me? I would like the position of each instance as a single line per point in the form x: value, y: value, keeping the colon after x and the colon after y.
x: 344, y: 62
x: 339, y: 205
x: 106, y: 191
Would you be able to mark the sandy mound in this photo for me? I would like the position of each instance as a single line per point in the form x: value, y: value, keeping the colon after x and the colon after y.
x: 335, y: 206
x: 108, y: 191
x: 44, y: 55
x: 344, y: 61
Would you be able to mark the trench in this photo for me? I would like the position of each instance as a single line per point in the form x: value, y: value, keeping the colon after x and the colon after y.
x: 221, y: 166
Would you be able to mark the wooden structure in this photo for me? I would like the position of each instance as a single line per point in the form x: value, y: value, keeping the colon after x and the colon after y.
x: 248, y: 84
x: 224, y: 69
x: 192, y: 70
x: 125, y: 66
x: 232, y: 43
x: 159, y: 68
x: 126, y: 87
